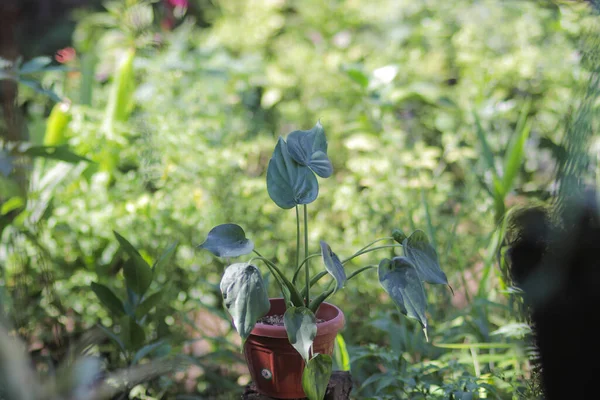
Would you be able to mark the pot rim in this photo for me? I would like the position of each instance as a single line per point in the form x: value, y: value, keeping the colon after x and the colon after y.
x: 331, y: 326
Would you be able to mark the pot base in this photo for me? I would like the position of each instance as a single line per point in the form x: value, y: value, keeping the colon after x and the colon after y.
x: 275, y: 366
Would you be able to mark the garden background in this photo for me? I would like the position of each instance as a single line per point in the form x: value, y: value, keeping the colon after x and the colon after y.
x: 440, y: 115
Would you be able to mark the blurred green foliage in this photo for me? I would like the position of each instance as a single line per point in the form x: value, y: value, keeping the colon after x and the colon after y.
x: 439, y: 114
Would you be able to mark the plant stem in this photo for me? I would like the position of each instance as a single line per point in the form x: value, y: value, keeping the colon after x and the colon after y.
x: 361, y: 252
x: 297, y: 242
x: 294, y: 294
x: 297, y: 272
x: 306, y: 269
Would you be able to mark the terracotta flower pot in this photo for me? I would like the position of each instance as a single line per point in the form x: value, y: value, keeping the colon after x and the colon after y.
x: 275, y: 366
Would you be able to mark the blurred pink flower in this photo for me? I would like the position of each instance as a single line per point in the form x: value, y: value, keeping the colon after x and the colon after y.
x: 178, y: 3
x: 65, y: 55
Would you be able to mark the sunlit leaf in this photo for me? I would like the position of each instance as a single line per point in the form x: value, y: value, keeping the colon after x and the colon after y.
x: 301, y: 326
x: 418, y: 249
x: 340, y: 353
x: 333, y: 265
x: 316, y: 376
x: 288, y: 182
x: 245, y: 296
x: 401, y: 281
x: 227, y: 240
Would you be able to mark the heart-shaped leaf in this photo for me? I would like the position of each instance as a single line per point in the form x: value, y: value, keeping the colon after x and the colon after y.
x: 288, y: 182
x: 310, y: 148
x: 227, y: 240
x: 245, y: 296
x: 333, y: 265
x: 316, y: 376
x: 301, y: 326
x: 424, y: 257
x: 108, y: 298
x: 400, y: 279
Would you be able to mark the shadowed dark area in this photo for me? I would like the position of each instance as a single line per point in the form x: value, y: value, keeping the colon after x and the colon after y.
x: 553, y: 258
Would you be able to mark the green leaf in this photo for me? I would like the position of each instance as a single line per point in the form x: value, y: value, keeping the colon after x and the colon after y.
x: 342, y: 358
x: 288, y: 182
x: 227, y: 240
x: 61, y: 153
x: 316, y: 376
x: 418, y: 249
x: 301, y: 326
x: 165, y: 257
x: 35, y: 85
x: 333, y: 265
x: 148, y: 304
x: 114, y: 337
x: 401, y: 281
x: 309, y: 148
x: 358, y: 76
x: 132, y: 334
x: 144, y: 351
x: 108, y: 298
x: 138, y: 274
x: 12, y: 204
x: 36, y: 64
x: 245, y: 296
x: 514, y: 157
x: 398, y: 235
x: 487, y: 151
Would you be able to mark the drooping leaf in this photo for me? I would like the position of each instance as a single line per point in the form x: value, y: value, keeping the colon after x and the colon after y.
x: 401, y: 281
x: 61, y: 153
x: 340, y: 352
x: 309, y: 148
x: 108, y: 298
x: 333, y: 265
x: 245, y: 296
x: 132, y: 334
x: 316, y: 376
x: 288, y: 182
x: 227, y: 240
x: 301, y: 326
x: 165, y: 257
x: 418, y: 249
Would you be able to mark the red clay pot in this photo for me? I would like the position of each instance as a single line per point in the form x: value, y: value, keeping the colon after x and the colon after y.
x: 275, y: 366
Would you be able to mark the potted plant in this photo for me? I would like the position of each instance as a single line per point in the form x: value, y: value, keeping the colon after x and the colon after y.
x: 288, y: 341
